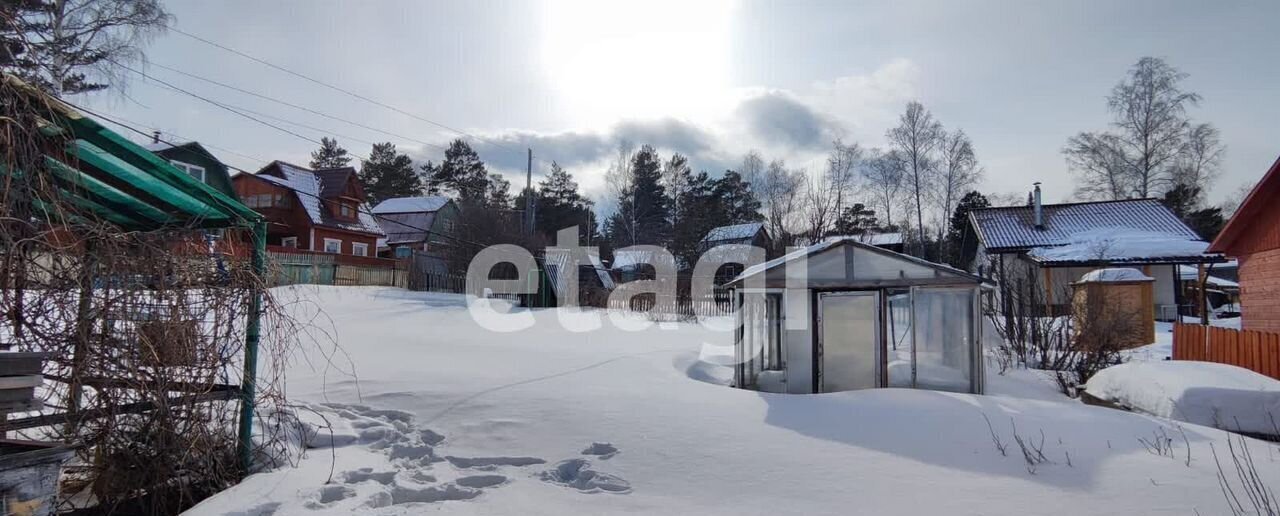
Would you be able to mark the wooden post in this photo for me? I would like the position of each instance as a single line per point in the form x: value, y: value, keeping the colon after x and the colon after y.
x: 1048, y: 291
x: 1203, y: 297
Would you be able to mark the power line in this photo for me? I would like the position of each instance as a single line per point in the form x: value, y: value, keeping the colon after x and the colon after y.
x: 294, y: 106
x: 338, y: 89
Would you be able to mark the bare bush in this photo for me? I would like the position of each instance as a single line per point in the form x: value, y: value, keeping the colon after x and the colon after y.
x: 1245, y: 491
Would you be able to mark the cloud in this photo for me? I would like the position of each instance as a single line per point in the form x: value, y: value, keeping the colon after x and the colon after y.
x: 781, y: 119
x: 794, y: 125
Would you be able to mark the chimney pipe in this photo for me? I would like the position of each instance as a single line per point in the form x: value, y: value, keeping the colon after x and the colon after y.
x: 155, y: 136
x: 1036, y: 206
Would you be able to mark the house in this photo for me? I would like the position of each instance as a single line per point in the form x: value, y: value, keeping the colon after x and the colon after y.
x: 1252, y: 237
x: 890, y: 241
x: 196, y: 161
x: 315, y: 210
x: 752, y: 233
x: 1046, y: 247
x: 415, y: 224
x: 857, y: 317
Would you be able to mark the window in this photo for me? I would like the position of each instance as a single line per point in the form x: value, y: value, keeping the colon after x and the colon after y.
x: 289, y: 242
x: 332, y: 245
x: 359, y: 249
x: 773, y: 360
x: 192, y: 170
x: 346, y: 210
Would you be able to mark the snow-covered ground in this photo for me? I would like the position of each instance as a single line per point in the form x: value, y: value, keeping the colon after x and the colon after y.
x: 441, y: 415
x: 1205, y: 393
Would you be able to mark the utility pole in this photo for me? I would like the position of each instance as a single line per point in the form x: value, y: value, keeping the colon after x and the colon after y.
x: 528, y: 194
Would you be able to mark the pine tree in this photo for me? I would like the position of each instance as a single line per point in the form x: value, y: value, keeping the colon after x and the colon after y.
x: 559, y: 205
x: 962, y: 243
x: 461, y: 174
x: 737, y: 200
x: 856, y: 220
x: 643, y: 216
x: 329, y: 155
x: 388, y: 174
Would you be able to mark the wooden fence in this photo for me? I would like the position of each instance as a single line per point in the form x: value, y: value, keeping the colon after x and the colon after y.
x: 1253, y: 350
x: 720, y: 303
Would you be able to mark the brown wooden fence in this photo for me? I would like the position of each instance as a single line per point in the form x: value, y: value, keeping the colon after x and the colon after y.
x: 1254, y: 350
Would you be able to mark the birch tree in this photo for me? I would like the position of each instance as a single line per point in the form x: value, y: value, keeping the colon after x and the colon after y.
x: 882, y: 174
x: 916, y: 140
x: 74, y: 46
x: 1152, y: 145
x: 958, y: 172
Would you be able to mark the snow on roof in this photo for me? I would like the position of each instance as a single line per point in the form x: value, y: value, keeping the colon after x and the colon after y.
x: 157, y: 146
x: 1114, y: 275
x: 1189, y: 273
x: 1120, y: 244
x: 1014, y: 227
x: 833, y: 242
x: 411, y: 204
x: 630, y: 258
x: 306, y: 184
x: 877, y: 239
x: 735, y: 232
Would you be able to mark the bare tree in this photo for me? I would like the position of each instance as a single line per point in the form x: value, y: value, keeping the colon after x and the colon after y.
x: 619, y: 178
x: 74, y: 46
x: 958, y: 172
x: 882, y: 173
x: 1202, y: 155
x: 825, y: 194
x: 780, y: 191
x: 1151, y: 145
x: 916, y: 140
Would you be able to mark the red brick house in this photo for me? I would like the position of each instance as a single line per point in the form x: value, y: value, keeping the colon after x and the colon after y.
x: 316, y: 210
x: 1252, y: 236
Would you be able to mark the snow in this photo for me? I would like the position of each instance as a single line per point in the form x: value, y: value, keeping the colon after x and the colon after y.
x: 302, y: 181
x: 1119, y: 244
x: 1204, y: 393
x: 734, y: 232
x: 1190, y: 273
x: 1114, y: 275
x: 434, y: 413
x: 874, y: 238
x: 410, y: 204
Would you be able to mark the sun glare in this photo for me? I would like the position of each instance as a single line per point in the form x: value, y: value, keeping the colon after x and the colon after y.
x: 611, y: 60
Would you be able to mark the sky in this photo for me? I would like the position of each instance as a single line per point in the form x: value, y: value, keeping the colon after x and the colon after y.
x: 710, y: 79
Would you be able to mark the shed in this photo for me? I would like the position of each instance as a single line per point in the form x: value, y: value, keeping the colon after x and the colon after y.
x: 844, y: 315
x: 1115, y: 303
x: 1252, y: 236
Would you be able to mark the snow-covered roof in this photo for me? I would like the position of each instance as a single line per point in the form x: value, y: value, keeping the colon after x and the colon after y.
x: 735, y: 232
x: 1189, y: 273
x: 1013, y: 228
x: 157, y: 146
x: 307, y: 186
x: 629, y: 258
x: 411, y: 204
x: 806, y: 252
x: 877, y: 239
x: 1123, y: 244
x: 1114, y: 275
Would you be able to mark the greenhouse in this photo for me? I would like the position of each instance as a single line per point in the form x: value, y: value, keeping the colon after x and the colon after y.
x: 842, y: 315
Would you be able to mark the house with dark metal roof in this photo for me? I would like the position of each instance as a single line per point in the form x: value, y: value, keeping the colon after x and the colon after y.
x: 751, y: 233
x: 196, y: 161
x: 1252, y: 236
x: 1052, y: 245
x: 415, y: 224
x: 314, y: 210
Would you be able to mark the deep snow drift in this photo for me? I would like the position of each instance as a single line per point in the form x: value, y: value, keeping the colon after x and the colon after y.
x: 431, y: 413
x: 1218, y: 395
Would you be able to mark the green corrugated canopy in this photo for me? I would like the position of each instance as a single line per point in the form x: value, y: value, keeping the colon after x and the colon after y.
x: 121, y: 182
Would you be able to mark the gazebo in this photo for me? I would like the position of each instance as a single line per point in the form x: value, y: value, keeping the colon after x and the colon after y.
x: 843, y: 315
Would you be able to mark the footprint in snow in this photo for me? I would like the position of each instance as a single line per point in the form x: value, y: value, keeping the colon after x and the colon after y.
x: 605, y: 451
x: 577, y: 474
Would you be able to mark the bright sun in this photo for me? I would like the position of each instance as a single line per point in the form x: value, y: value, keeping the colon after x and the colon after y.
x: 611, y: 60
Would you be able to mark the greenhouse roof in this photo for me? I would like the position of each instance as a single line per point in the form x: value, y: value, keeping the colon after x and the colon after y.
x: 106, y: 175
